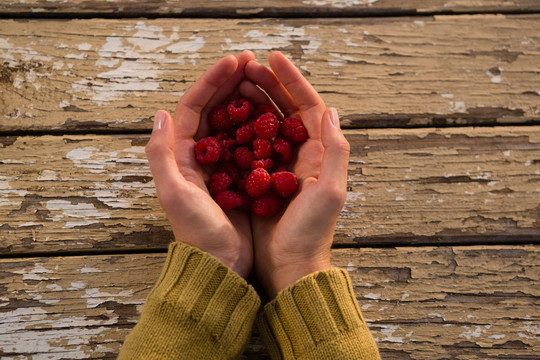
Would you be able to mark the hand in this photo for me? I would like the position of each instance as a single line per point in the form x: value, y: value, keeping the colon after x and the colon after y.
x: 297, y: 243
x: 180, y: 181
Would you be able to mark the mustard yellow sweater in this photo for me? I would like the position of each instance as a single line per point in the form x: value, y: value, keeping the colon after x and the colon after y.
x: 200, y: 309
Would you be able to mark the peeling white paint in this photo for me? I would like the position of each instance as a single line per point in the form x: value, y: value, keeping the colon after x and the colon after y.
x: 95, y: 296
x: 87, y: 269
x: 457, y: 106
x: 495, y: 78
x: 77, y: 285
x: 285, y: 37
x: 131, y: 58
x: 472, y: 332
x: 47, y: 175
x: 339, y: 3
x: 85, y: 213
x: 84, y: 46
x: 529, y: 331
x: 372, y: 296
x: 387, y: 332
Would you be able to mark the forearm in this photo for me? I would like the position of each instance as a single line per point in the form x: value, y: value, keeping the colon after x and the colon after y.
x: 317, y: 318
x: 199, y: 308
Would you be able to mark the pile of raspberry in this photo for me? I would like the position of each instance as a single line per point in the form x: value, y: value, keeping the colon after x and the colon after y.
x: 248, y: 151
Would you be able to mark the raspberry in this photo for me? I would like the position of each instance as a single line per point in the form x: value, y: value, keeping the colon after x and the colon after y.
x: 241, y: 184
x: 266, y: 164
x: 267, y: 205
x: 266, y: 126
x: 258, y: 182
x: 219, y: 119
x: 207, y: 150
x: 284, y: 149
x: 262, y: 148
x: 245, y: 133
x: 228, y: 200
x: 226, y: 145
x: 243, y: 157
x: 284, y: 182
x: 239, y: 110
x: 231, y: 169
x: 245, y: 151
x: 293, y: 129
x: 219, y: 182
x: 263, y: 109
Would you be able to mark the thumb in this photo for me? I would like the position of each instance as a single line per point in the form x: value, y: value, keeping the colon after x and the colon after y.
x: 336, y: 154
x: 159, y: 152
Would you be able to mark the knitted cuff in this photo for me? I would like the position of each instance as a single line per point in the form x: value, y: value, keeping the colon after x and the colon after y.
x: 317, y: 318
x: 199, y: 308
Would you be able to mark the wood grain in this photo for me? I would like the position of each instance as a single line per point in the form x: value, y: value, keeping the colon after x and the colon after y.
x: 456, y: 185
x: 223, y: 8
x: 420, y: 302
x: 112, y: 75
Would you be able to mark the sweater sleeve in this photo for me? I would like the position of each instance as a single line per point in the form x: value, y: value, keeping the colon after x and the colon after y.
x: 317, y: 318
x: 199, y: 309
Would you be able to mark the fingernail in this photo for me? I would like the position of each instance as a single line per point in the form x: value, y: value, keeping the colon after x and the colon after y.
x: 334, y: 117
x: 159, y: 120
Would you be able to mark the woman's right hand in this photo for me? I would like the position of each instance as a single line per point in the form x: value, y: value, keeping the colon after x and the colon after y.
x: 297, y: 242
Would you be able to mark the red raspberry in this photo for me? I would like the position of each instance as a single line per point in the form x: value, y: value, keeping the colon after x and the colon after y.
x: 266, y: 164
x: 293, y: 129
x: 243, y: 157
x: 245, y: 133
x: 284, y: 182
x: 267, y: 205
x: 284, y: 149
x: 226, y: 145
x: 207, y: 150
x: 263, y: 109
x: 228, y: 200
x: 231, y: 169
x: 241, y: 184
x: 239, y: 110
x: 219, y: 182
x: 258, y: 182
x: 219, y: 119
x: 266, y: 126
x: 262, y: 148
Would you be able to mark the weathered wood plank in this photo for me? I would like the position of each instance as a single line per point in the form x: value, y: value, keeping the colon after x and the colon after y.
x: 260, y: 8
x: 456, y: 185
x: 87, y: 75
x: 420, y: 303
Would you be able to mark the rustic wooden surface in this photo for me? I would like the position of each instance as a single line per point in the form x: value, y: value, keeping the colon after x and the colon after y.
x: 405, y: 186
x: 441, y: 103
x: 259, y: 8
x: 382, y: 72
x: 420, y: 302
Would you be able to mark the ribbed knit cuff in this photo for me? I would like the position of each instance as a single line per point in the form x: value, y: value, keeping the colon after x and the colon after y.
x: 317, y: 318
x: 199, y: 309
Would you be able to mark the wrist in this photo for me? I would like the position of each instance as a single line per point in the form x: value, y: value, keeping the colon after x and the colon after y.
x: 285, y: 276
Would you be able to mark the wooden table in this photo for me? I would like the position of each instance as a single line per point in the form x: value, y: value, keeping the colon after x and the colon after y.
x: 441, y: 104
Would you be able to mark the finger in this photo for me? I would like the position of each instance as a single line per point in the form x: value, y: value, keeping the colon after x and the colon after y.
x: 268, y: 81
x: 253, y: 93
x: 188, y: 110
x: 232, y: 83
x: 310, y: 104
x: 226, y: 90
x: 333, y: 176
x: 159, y: 152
